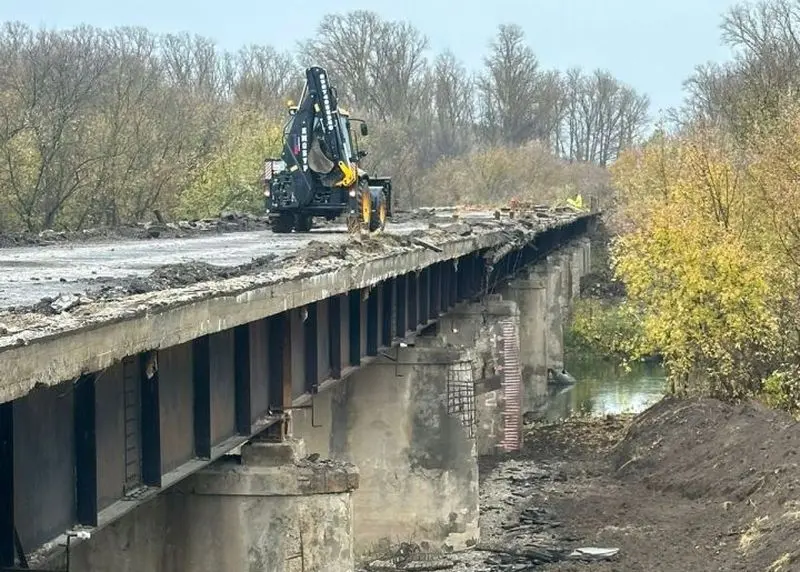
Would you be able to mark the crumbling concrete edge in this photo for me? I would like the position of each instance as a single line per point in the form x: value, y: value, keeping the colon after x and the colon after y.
x: 51, y: 356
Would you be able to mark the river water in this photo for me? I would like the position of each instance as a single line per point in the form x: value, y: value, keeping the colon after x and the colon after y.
x: 604, y: 388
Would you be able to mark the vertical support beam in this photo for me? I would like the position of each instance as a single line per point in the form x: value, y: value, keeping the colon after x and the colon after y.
x: 461, y: 278
x: 386, y: 315
x: 372, y: 322
x: 425, y: 295
x: 477, y: 274
x: 201, y: 378
x: 436, y: 290
x: 355, y: 326
x: 452, y: 298
x: 85, y: 451
x: 277, y: 327
x: 241, y: 378
x: 311, y: 349
x: 444, y: 283
x: 413, y: 301
x: 335, y: 335
x: 401, y: 293
x: 7, y: 484
x: 151, y: 421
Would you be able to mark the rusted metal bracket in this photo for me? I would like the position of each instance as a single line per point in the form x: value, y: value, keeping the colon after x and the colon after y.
x: 309, y: 406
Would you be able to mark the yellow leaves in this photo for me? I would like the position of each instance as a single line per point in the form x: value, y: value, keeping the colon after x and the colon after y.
x: 615, y: 329
x: 693, y: 256
x: 231, y: 177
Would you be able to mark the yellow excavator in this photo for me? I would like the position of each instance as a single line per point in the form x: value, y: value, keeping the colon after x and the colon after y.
x: 318, y: 173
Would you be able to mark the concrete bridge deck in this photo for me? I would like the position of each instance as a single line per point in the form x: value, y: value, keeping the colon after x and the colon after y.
x: 111, y: 401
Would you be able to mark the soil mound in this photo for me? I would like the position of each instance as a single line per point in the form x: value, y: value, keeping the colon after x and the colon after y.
x: 743, y: 458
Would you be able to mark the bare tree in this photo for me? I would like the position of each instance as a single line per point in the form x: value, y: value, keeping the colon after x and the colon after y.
x: 454, y: 106
x: 508, y: 88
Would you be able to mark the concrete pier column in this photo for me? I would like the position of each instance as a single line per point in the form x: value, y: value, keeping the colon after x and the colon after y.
x: 491, y: 328
x: 272, y: 511
x: 587, y: 255
x: 276, y: 511
x: 564, y: 257
x: 530, y: 295
x: 576, y: 270
x: 554, y: 317
x: 407, y: 421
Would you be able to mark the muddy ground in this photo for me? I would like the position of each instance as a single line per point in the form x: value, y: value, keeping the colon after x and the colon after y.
x: 693, y: 485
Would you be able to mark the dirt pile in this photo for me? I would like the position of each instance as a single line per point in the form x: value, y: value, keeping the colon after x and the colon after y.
x: 742, y: 459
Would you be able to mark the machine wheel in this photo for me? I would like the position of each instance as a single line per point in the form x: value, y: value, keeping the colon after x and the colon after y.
x: 303, y: 223
x: 366, y: 207
x: 359, y: 222
x: 282, y: 224
x: 378, y: 217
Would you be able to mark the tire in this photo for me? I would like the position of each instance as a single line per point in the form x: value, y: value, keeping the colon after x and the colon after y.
x: 282, y: 224
x: 377, y: 219
x: 304, y: 223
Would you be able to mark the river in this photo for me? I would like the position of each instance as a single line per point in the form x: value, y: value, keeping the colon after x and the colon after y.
x: 604, y: 388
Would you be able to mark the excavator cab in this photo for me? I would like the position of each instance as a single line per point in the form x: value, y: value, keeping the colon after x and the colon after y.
x: 318, y: 173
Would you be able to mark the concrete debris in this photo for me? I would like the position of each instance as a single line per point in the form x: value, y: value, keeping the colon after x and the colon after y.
x: 64, y: 303
x: 592, y: 553
x: 410, y: 556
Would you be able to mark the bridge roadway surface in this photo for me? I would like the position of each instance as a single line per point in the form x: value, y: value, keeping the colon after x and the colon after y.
x: 28, y: 274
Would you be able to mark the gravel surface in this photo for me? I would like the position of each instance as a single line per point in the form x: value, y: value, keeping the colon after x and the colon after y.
x: 28, y: 274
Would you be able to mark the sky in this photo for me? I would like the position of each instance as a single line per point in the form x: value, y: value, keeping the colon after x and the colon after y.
x: 652, y: 46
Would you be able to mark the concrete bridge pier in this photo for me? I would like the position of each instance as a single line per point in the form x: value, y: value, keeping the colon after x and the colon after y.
x: 269, y: 509
x: 406, y: 422
x: 531, y: 295
x: 490, y: 329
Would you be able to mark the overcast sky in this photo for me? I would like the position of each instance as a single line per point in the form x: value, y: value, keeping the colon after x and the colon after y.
x: 651, y: 45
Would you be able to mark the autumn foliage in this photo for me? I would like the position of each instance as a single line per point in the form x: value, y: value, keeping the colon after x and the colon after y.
x: 708, y: 253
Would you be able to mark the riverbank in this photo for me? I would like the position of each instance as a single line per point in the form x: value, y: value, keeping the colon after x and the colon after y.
x: 688, y: 485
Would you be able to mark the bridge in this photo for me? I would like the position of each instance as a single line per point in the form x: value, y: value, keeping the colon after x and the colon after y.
x: 295, y: 413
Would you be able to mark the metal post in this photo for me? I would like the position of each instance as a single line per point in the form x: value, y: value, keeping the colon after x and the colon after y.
x: 311, y: 351
x: 387, y: 292
x: 355, y: 327
x: 372, y: 322
x: 276, y: 338
x: 85, y: 451
x: 335, y: 335
x: 401, y: 325
x: 7, y: 548
x: 151, y: 420
x: 241, y: 378
x: 201, y: 378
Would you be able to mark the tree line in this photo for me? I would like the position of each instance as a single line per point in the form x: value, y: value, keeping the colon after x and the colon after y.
x: 112, y: 126
x: 709, y: 244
